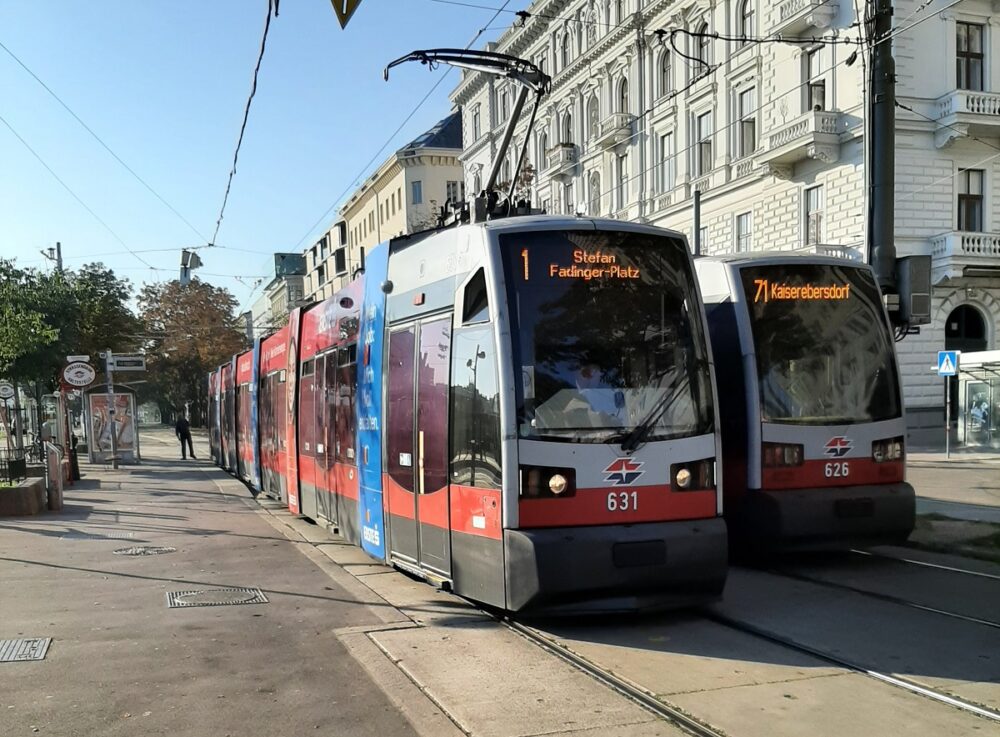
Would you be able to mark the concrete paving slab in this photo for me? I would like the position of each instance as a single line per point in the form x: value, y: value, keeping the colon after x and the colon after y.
x: 683, y: 652
x: 423, y: 603
x: 835, y: 706
x: 494, y: 683
x: 953, y: 655
x: 122, y: 663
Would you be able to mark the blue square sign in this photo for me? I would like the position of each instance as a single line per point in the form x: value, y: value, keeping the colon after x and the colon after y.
x: 947, y: 363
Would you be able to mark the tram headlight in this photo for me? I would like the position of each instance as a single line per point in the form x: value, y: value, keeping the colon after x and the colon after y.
x: 890, y: 449
x: 780, y: 455
x: 693, y: 476
x: 547, y: 482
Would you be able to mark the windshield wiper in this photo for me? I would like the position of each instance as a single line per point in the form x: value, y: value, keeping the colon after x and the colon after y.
x: 638, y: 434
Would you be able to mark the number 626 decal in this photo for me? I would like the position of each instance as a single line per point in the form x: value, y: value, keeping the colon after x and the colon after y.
x: 836, y: 470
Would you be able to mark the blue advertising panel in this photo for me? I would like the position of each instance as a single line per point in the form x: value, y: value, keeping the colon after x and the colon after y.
x: 254, y: 427
x: 370, y: 403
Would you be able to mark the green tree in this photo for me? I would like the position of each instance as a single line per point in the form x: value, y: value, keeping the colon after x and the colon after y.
x: 192, y: 330
x: 103, y: 318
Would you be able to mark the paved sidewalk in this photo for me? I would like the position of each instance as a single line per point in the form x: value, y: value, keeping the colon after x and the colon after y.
x: 122, y: 663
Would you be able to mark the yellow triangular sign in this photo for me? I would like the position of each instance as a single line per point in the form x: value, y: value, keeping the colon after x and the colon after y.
x: 344, y: 10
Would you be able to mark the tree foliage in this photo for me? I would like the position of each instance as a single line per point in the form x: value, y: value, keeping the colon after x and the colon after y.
x: 191, y: 330
x: 46, y: 316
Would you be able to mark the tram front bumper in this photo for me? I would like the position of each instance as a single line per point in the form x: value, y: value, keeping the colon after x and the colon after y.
x: 615, y: 568
x: 834, y: 518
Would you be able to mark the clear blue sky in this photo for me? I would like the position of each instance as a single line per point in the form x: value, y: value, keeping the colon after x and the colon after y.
x: 164, y: 83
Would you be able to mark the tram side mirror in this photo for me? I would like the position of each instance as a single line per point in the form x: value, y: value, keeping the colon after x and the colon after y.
x: 387, y: 286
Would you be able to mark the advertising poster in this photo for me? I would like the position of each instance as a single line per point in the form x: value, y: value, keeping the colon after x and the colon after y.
x: 102, y: 425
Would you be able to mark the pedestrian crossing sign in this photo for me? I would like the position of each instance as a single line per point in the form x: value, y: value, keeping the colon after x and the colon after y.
x: 948, y: 363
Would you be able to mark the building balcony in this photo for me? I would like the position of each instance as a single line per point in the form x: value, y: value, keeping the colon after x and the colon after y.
x: 850, y: 253
x: 961, y: 254
x: 810, y: 136
x: 562, y: 159
x: 796, y: 17
x: 614, y: 129
x: 963, y: 113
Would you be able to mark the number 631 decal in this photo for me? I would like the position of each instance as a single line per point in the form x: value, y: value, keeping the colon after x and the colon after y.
x: 623, y: 501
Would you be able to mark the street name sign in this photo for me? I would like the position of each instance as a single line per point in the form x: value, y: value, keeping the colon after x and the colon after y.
x: 79, y: 374
x: 947, y: 364
x: 128, y: 362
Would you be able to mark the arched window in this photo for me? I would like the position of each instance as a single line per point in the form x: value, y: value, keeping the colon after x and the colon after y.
x: 565, y: 51
x: 477, y: 183
x: 666, y: 73
x: 594, y: 195
x: 543, y: 147
x: 703, y: 47
x: 619, y: 11
x: 593, y: 116
x: 623, y: 96
x: 567, y: 128
x: 745, y: 21
x: 591, y: 30
x: 505, y: 175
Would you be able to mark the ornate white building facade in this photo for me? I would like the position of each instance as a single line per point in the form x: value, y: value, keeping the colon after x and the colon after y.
x: 771, y: 134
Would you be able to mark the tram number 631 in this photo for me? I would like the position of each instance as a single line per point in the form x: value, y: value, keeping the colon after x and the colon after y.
x: 836, y: 470
x: 623, y: 501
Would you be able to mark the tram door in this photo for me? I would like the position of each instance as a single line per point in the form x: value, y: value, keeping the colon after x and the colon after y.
x: 417, y: 427
x: 326, y: 420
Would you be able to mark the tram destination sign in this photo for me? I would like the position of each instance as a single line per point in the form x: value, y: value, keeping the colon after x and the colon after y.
x: 767, y: 290
x: 128, y: 362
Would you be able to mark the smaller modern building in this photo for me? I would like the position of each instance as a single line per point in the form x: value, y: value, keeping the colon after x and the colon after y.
x: 282, y: 294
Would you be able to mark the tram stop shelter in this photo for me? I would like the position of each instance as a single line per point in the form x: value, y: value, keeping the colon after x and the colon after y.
x: 101, y: 423
x: 979, y: 399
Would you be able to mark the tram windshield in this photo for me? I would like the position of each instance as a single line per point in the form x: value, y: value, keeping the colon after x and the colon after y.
x: 824, y: 352
x: 608, y: 337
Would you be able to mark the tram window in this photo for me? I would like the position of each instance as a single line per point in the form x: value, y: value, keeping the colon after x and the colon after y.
x: 399, y: 407
x: 346, y: 391
x: 476, y: 306
x: 307, y: 368
x: 475, y: 409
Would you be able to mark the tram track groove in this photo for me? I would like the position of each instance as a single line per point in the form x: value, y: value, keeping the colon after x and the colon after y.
x: 649, y: 701
x: 897, y: 681
x: 890, y: 598
x: 927, y: 564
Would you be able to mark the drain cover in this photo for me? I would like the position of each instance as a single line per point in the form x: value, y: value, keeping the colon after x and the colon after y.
x: 145, y: 550
x: 110, y: 535
x: 29, y: 649
x: 215, y: 597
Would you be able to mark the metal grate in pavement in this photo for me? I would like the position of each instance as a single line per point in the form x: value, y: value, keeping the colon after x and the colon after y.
x: 110, y: 535
x: 215, y: 597
x: 24, y: 649
x: 145, y: 550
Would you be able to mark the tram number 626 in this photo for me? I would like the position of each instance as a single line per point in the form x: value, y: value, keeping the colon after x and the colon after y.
x: 623, y: 501
x: 836, y: 470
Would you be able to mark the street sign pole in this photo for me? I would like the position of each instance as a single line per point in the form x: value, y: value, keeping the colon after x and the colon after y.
x: 109, y: 359
x: 947, y: 417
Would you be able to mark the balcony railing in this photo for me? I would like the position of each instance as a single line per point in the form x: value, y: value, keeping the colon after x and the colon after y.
x: 833, y: 250
x: 813, y: 135
x: 954, y: 253
x: 962, y: 112
x: 798, y: 16
x: 561, y: 159
x: 614, y: 129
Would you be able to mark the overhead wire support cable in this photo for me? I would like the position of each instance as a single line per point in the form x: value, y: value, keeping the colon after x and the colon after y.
x: 272, y: 8
x: 104, y: 145
x: 73, y: 194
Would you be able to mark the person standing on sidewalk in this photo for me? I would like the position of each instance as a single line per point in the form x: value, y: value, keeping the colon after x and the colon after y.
x: 183, y: 430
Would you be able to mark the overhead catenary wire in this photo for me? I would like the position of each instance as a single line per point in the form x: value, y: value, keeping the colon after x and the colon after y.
x: 104, y: 145
x: 73, y: 194
x: 272, y: 9
x: 364, y: 170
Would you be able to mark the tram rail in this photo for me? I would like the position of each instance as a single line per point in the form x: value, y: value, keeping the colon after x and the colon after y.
x: 672, y: 714
x: 897, y: 681
x: 928, y: 564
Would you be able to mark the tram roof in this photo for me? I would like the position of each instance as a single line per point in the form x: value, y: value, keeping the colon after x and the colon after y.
x: 783, y: 257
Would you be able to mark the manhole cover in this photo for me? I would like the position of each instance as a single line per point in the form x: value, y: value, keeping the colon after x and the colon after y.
x: 215, y: 597
x: 110, y: 535
x: 25, y: 649
x: 145, y: 550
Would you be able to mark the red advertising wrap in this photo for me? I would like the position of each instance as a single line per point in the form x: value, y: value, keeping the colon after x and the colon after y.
x: 291, y: 393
